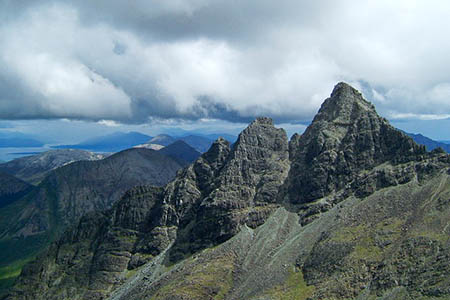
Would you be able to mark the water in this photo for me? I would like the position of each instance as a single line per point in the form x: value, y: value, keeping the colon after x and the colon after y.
x: 10, y: 153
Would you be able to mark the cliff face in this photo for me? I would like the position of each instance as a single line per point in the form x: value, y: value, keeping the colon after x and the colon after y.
x: 351, y: 209
x: 346, y: 137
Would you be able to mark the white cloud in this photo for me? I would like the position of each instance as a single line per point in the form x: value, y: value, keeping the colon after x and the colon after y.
x: 108, y: 123
x: 196, y: 59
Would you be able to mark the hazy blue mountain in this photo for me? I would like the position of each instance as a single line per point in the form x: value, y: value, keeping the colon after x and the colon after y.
x: 445, y: 142
x: 110, y: 143
x: 200, y: 143
x: 17, y: 139
x: 429, y: 143
x: 181, y: 150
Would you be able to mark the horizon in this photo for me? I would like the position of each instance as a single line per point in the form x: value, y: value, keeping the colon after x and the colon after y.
x: 212, y: 67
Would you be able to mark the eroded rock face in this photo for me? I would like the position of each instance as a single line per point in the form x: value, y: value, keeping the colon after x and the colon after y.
x: 346, y: 137
x: 205, y: 205
x: 244, y: 190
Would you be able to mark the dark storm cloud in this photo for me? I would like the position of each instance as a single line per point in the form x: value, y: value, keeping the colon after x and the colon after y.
x: 233, y: 60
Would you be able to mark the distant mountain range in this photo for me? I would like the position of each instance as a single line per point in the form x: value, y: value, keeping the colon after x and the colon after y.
x: 114, y: 142
x: 17, y: 139
x: 429, y: 143
x: 120, y: 141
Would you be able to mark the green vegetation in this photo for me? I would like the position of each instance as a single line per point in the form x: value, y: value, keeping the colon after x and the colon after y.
x: 17, y: 251
x: 10, y: 272
x: 210, y: 280
x: 364, y: 238
x: 294, y: 288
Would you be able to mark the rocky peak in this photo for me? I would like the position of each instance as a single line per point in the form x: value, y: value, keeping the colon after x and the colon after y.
x: 346, y: 136
x: 218, y: 151
x: 344, y: 101
x: 262, y: 121
x: 235, y: 187
x: 260, y: 134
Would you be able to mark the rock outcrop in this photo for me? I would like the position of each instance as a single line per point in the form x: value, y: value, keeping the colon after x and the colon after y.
x: 351, y: 209
x: 346, y: 137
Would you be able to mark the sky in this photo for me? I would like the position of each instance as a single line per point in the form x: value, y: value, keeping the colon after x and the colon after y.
x: 73, y: 69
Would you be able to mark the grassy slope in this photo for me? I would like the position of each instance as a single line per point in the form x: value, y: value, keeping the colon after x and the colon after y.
x: 334, y: 257
x: 17, y: 251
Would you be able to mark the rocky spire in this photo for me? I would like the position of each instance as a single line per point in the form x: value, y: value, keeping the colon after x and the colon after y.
x: 243, y: 190
x: 346, y: 136
x: 259, y: 157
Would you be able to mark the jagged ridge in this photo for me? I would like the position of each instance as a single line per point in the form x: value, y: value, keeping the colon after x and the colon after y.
x: 349, y: 154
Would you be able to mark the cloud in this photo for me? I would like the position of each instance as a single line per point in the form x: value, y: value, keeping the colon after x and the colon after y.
x: 108, y: 123
x: 148, y: 60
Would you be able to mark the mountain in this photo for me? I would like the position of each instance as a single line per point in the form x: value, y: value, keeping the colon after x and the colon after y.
x: 445, y: 142
x: 12, y: 188
x: 351, y: 209
x: 181, y: 150
x: 17, y: 139
x: 162, y: 139
x: 429, y: 143
x: 114, y: 142
x: 29, y: 223
x: 70, y: 191
x: 34, y: 168
x: 199, y: 143
x: 149, y: 146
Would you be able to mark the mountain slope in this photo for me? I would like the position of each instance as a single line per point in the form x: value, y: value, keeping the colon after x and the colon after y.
x: 12, y: 188
x: 181, y: 150
x: 429, y: 143
x: 33, y: 168
x: 162, y: 139
x: 243, y: 222
x: 199, y: 143
x: 114, y: 142
x: 75, y: 189
x: 68, y: 192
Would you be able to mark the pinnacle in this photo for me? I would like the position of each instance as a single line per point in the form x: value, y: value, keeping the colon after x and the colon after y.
x: 343, y: 101
x: 263, y: 120
x: 344, y: 87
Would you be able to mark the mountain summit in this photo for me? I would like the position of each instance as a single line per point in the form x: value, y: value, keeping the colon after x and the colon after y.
x: 351, y: 209
x: 346, y: 136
